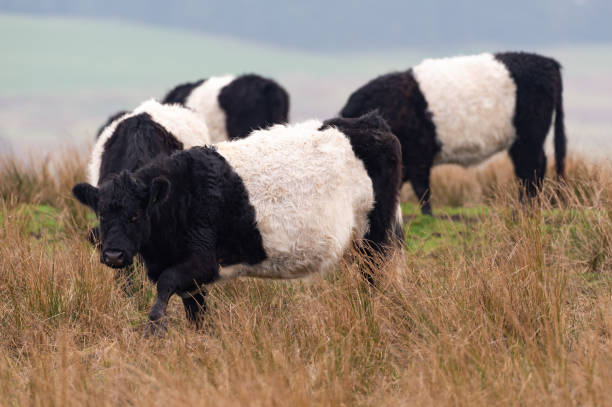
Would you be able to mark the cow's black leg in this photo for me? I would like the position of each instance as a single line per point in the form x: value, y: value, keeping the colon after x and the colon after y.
x: 183, y: 278
x: 541, y: 171
x: 165, y: 289
x: 419, y: 179
x: 537, y: 92
x: 529, y: 166
x: 195, y: 306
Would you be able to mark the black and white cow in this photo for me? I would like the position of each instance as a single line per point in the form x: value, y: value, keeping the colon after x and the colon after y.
x: 130, y: 140
x: 282, y: 203
x: 234, y: 106
x: 462, y: 110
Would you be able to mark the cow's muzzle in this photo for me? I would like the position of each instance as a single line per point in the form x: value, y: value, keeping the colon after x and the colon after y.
x: 113, y: 258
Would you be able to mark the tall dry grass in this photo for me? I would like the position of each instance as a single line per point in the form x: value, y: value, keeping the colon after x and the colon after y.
x: 45, y: 180
x: 518, y: 314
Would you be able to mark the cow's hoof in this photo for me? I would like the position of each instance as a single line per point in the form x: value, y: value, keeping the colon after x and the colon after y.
x: 155, y: 328
x: 426, y: 209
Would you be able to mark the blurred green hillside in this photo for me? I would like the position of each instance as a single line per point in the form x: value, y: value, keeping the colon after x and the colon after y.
x: 65, y: 54
x: 61, y: 77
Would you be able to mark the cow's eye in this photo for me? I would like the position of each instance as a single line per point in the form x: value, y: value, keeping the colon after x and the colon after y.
x: 133, y: 218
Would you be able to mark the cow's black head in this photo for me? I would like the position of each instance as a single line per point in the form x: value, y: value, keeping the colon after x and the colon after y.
x: 124, y: 206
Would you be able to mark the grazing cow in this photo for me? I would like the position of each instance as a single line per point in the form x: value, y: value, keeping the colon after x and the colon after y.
x: 462, y: 110
x: 234, y: 106
x: 131, y: 139
x: 282, y: 203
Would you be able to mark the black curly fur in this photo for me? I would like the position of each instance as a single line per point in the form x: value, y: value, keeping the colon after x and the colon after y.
x: 184, y: 215
x: 109, y: 121
x: 375, y: 145
x: 398, y: 98
x: 539, y: 94
x: 135, y: 142
x: 252, y: 102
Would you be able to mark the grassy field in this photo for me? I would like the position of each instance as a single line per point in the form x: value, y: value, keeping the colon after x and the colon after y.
x: 491, y: 303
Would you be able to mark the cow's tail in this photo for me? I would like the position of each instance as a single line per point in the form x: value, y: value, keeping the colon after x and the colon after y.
x: 560, y: 139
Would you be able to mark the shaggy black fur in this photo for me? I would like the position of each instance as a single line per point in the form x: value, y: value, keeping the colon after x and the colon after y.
x: 539, y: 93
x: 375, y: 145
x: 109, y: 121
x: 399, y: 100
x: 180, y: 93
x: 401, y: 103
x: 136, y: 141
x: 185, y: 215
x: 251, y: 102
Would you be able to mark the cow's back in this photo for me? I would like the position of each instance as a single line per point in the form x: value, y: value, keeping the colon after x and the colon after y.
x: 310, y: 192
x: 472, y: 101
x: 205, y: 100
x: 178, y: 128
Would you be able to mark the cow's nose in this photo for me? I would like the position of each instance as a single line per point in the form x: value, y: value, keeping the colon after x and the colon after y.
x: 113, y: 258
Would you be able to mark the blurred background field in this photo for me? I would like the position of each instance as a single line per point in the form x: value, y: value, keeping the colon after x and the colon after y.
x: 62, y: 76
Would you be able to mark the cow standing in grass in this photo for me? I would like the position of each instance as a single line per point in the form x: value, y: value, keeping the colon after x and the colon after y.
x: 282, y: 203
x: 130, y: 140
x: 462, y: 110
x: 234, y: 106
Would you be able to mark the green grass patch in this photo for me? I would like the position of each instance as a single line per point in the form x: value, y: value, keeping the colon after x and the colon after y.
x: 35, y: 220
x: 449, y: 226
x: 41, y: 221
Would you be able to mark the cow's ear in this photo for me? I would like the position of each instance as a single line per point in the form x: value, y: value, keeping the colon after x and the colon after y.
x: 160, y: 189
x: 86, y: 194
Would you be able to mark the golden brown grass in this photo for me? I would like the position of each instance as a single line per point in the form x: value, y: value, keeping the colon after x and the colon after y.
x: 517, y: 313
